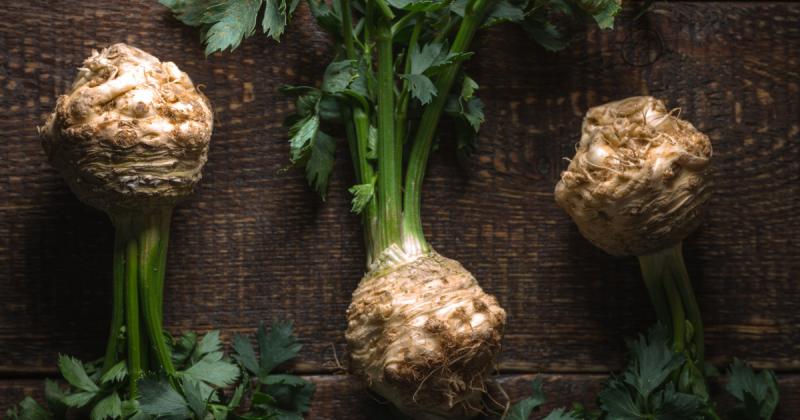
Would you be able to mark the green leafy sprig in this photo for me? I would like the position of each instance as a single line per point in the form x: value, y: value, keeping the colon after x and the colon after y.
x: 656, y: 385
x: 201, y: 389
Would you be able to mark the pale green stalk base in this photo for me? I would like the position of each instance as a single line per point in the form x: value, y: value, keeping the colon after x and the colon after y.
x: 672, y: 295
x: 140, y: 250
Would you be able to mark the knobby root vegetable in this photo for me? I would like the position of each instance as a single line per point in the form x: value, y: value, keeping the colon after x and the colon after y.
x: 130, y: 138
x: 637, y: 186
x: 639, y: 178
x: 424, y: 335
x: 132, y: 133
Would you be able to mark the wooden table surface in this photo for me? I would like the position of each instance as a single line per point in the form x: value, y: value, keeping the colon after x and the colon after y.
x: 255, y: 243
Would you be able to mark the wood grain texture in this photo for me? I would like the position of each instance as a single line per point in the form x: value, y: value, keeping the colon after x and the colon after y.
x: 342, y: 397
x: 255, y: 243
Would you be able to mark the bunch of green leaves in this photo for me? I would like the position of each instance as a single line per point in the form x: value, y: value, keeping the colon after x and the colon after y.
x: 523, y: 409
x: 756, y: 394
x: 196, y: 392
x: 95, y: 395
x: 225, y: 23
x: 657, y: 385
x: 553, y: 23
x: 274, y: 395
x: 349, y: 80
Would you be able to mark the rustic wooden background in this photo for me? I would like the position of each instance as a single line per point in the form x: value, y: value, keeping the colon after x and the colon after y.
x: 256, y: 244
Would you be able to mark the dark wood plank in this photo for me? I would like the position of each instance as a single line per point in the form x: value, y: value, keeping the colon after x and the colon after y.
x: 343, y: 397
x: 255, y: 243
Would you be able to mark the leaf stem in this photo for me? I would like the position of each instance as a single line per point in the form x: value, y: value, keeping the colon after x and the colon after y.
x: 132, y: 313
x: 678, y: 313
x: 414, y: 239
x: 653, y: 273
x: 118, y: 293
x: 390, y: 153
x: 402, y: 106
x: 153, y: 234
x: 686, y: 290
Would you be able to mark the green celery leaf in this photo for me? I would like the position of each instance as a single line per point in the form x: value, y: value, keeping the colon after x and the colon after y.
x: 245, y: 354
x: 73, y: 371
x: 130, y: 408
x: 290, y: 392
x: 320, y: 162
x: 194, y: 396
x: 183, y: 348
x: 339, y: 75
x: 546, y: 34
x: 209, y: 344
x: 473, y: 112
x: 233, y: 20
x: 468, y: 88
x: 422, y: 59
x: 214, y: 370
x: 757, y: 394
x: 421, y: 87
x: 302, y: 133
x: 616, y: 401
x: 561, y: 414
x: 29, y: 409
x: 79, y: 399
x: 109, y: 407
x: 276, y: 346
x: 238, y: 393
x: 326, y: 17
x: 522, y: 410
x: 362, y: 195
x: 504, y: 11
x: 603, y: 11
x: 653, y: 360
x: 276, y: 15
x: 673, y: 405
x: 445, y: 60
x: 190, y: 12
x: 54, y: 396
x: 116, y: 373
x: 157, y: 398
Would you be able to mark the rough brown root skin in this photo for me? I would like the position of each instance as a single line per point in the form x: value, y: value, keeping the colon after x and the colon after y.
x: 639, y: 178
x: 424, y: 336
x: 132, y: 133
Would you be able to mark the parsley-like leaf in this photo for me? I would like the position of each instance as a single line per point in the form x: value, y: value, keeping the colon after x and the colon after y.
x: 561, y: 414
x: 276, y: 15
x: 653, y: 361
x: 339, y: 75
x: 158, y: 398
x: 193, y: 395
x: 522, y: 410
x: 320, y: 162
x: 28, y: 409
x: 75, y: 374
x: 109, y: 407
x: 277, y: 346
x: 227, y: 22
x: 290, y: 392
x: 233, y: 21
x: 421, y: 87
x: 213, y: 370
x: 116, y: 373
x: 245, y: 354
x: 362, y: 195
x: 756, y: 393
